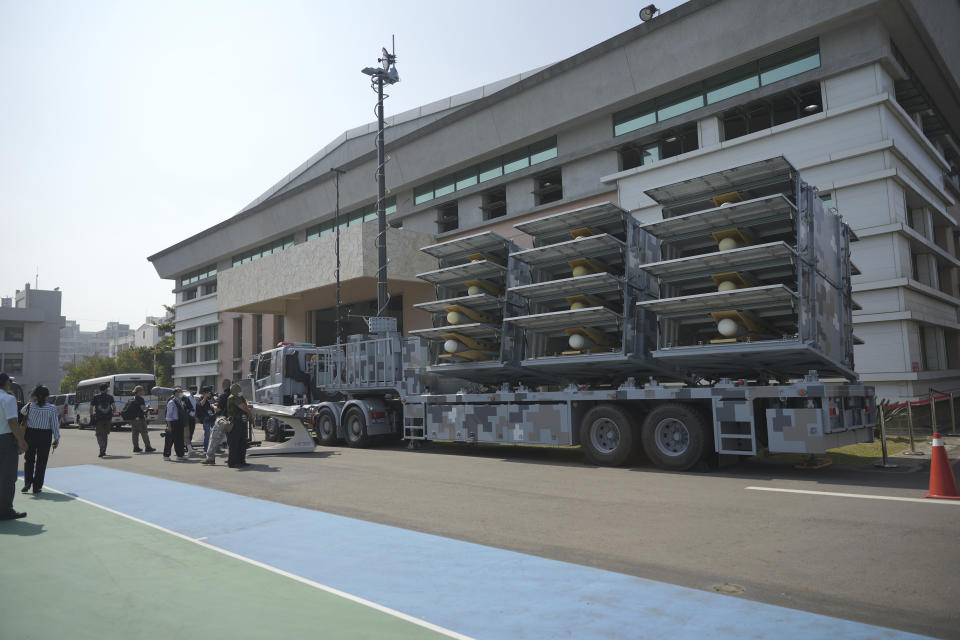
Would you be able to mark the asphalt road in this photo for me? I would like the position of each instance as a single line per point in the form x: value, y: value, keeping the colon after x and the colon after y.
x: 888, y: 563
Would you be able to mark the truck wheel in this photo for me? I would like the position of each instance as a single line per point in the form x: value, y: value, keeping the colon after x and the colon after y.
x: 606, y: 435
x: 325, y: 425
x: 674, y: 437
x: 355, y: 428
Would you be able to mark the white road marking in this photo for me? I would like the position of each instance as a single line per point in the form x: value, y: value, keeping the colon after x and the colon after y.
x: 857, y: 495
x: 292, y: 576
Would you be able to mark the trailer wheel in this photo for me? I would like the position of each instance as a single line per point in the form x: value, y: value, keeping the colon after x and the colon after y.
x: 325, y: 424
x: 607, y: 435
x: 273, y: 430
x: 355, y: 428
x: 674, y: 436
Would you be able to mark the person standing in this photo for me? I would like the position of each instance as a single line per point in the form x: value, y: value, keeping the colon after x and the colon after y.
x: 138, y: 425
x: 12, y: 444
x: 190, y: 403
x: 237, y: 406
x: 43, y: 426
x: 102, y: 408
x: 216, y: 434
x: 206, y: 413
x: 176, y: 420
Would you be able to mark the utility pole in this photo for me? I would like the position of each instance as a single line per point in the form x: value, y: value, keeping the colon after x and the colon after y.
x: 336, y: 227
x: 385, y: 74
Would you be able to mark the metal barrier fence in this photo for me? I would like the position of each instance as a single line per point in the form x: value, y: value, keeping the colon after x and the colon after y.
x: 937, y: 413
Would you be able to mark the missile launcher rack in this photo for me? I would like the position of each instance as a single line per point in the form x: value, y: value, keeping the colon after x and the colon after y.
x: 755, y: 276
x: 469, y: 338
x: 585, y: 266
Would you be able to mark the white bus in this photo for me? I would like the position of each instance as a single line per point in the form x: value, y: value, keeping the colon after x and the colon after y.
x: 120, y: 386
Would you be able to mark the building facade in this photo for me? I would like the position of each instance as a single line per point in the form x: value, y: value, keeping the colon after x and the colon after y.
x: 862, y: 96
x: 30, y: 324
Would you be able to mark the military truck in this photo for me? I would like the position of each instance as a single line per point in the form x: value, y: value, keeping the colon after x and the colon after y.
x: 722, y: 329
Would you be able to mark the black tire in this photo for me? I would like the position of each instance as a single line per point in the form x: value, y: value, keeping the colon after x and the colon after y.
x: 325, y: 424
x: 607, y: 436
x: 675, y: 437
x: 355, y: 428
x: 273, y: 430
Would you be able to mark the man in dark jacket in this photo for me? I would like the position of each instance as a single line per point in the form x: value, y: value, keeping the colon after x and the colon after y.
x: 176, y: 417
x: 102, y: 408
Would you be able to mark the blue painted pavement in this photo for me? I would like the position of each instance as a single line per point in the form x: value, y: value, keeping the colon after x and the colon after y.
x: 475, y: 590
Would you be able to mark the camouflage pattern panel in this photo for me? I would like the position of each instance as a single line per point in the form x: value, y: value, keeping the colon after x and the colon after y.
x: 734, y: 430
x: 802, y: 431
x: 541, y: 424
x: 795, y: 430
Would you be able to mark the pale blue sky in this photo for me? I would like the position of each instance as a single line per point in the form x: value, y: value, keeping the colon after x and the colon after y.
x: 127, y: 126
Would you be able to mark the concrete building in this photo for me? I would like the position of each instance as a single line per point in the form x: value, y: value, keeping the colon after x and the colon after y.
x: 30, y: 324
x: 863, y: 96
x: 76, y: 344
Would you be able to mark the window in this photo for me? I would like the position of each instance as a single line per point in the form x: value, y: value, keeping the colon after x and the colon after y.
x: 548, y: 187
x: 188, y: 382
x: 199, y: 274
x: 188, y: 356
x: 13, y: 333
x: 488, y: 170
x: 762, y: 72
x: 263, y: 250
x: 188, y: 337
x: 827, y: 199
x: 189, y: 294
x: 668, y: 144
x: 13, y: 363
x: 790, y: 62
x: 769, y: 112
x: 238, y: 337
x: 210, y: 352
x: 258, y: 327
x: 494, y: 203
x: 209, y: 381
x: 210, y: 332
x: 208, y: 289
x: 350, y: 218
x: 448, y: 217
x: 279, y: 327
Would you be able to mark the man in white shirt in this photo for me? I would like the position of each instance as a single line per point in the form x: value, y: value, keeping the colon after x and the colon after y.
x: 12, y: 444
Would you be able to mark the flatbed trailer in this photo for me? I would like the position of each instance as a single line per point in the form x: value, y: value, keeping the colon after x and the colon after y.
x: 735, y: 311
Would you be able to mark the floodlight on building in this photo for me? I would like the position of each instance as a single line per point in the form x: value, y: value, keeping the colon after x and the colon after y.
x: 648, y: 12
x: 810, y: 108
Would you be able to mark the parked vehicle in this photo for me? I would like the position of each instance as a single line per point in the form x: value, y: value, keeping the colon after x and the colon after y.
x: 120, y: 386
x: 722, y: 329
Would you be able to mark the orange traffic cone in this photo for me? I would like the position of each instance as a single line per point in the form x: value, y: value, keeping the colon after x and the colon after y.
x: 942, y: 482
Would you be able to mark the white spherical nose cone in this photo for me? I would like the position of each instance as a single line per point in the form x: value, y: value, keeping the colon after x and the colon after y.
x: 580, y: 270
x: 473, y: 290
x: 576, y: 341
x: 451, y: 346
x: 726, y: 285
x: 729, y: 328
x: 577, y: 305
x: 453, y: 317
x: 728, y: 243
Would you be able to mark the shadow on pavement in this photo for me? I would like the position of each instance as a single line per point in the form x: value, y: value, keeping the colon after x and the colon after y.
x: 20, y: 528
x: 52, y: 496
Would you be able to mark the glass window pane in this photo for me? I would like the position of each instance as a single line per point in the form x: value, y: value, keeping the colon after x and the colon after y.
x: 790, y: 69
x: 543, y: 151
x: 423, y: 194
x: 677, y: 108
x: 515, y: 161
x: 734, y: 88
x: 444, y: 186
x: 391, y: 206
x: 651, y: 153
x: 632, y: 124
x: 466, y: 179
x: 490, y: 170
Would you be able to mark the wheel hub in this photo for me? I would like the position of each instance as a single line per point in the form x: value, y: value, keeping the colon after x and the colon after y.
x: 605, y: 435
x: 672, y: 437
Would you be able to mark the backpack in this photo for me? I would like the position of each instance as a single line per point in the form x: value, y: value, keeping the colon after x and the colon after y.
x: 130, y: 410
x: 102, y: 411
